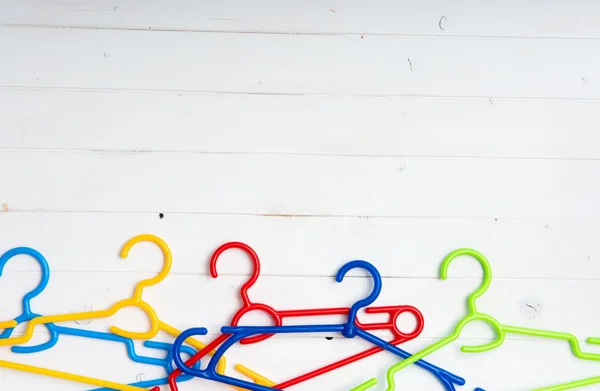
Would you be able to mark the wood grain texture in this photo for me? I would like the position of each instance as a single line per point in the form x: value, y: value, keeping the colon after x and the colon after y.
x: 306, y: 185
x: 307, y: 246
x: 322, y: 125
x: 297, y: 64
x: 520, y: 302
x: 318, y: 133
x: 433, y: 17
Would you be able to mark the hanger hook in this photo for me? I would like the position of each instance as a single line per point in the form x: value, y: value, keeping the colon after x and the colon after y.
x: 487, y: 273
x: 168, y: 260
x: 350, y: 329
x: 43, y: 265
x: 255, y: 261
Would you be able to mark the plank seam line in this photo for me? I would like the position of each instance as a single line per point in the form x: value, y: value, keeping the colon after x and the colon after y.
x: 268, y: 153
x: 288, y: 32
x: 290, y: 94
x: 268, y: 215
x: 294, y: 276
x: 321, y: 335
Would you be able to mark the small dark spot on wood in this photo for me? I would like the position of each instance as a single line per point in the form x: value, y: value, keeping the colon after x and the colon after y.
x: 329, y: 338
x: 161, y: 215
x: 442, y: 23
x: 409, y: 63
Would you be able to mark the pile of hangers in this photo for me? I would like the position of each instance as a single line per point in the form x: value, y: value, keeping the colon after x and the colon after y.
x: 215, y: 369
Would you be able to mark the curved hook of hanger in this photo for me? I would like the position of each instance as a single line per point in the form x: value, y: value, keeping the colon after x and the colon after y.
x: 154, y: 325
x: 499, y: 330
x: 350, y: 329
x: 168, y: 261
x: 177, y: 346
x: 487, y: 273
x: 255, y: 261
x: 43, y: 265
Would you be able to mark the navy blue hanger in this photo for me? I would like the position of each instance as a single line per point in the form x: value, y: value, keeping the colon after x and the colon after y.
x: 348, y: 330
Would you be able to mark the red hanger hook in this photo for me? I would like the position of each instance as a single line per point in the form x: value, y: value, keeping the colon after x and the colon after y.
x: 255, y: 261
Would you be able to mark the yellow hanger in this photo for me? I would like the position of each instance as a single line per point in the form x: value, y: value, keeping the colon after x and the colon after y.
x: 136, y: 301
x: 258, y: 379
x: 69, y: 376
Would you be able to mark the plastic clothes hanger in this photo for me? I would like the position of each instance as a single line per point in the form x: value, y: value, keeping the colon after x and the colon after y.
x: 349, y: 329
x: 473, y: 315
x: 136, y: 301
x: 277, y: 315
x: 68, y: 376
x: 23, y: 317
x: 574, y: 384
x: 55, y: 330
x: 258, y: 379
x: 166, y: 363
x: 393, y: 313
x: 233, y: 334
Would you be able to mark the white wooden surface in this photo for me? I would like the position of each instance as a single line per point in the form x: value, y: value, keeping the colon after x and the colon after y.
x: 317, y: 132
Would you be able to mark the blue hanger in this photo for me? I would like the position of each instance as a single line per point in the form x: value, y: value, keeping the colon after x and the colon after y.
x: 55, y: 330
x: 348, y: 330
x: 27, y: 315
x: 167, y: 363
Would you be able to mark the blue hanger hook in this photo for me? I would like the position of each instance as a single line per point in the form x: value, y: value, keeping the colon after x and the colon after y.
x: 45, y: 273
x: 350, y: 329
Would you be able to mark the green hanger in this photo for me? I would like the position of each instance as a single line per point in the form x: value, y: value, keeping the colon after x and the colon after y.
x: 571, y: 385
x: 500, y: 329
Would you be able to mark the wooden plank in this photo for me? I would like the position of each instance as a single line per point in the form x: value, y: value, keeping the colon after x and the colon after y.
x: 305, y: 185
x: 433, y: 17
x: 296, y: 64
x: 299, y: 124
x: 183, y: 300
x: 306, y: 246
x: 394, y: 132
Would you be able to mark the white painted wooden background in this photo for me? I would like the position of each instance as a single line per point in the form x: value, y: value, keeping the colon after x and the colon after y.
x: 317, y: 132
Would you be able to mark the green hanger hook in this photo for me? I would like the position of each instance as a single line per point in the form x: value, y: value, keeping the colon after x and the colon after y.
x: 500, y: 330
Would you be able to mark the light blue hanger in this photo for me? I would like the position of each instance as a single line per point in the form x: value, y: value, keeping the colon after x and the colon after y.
x: 55, y: 330
x: 166, y: 363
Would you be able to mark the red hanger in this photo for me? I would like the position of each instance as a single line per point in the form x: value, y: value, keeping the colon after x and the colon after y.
x: 278, y: 316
